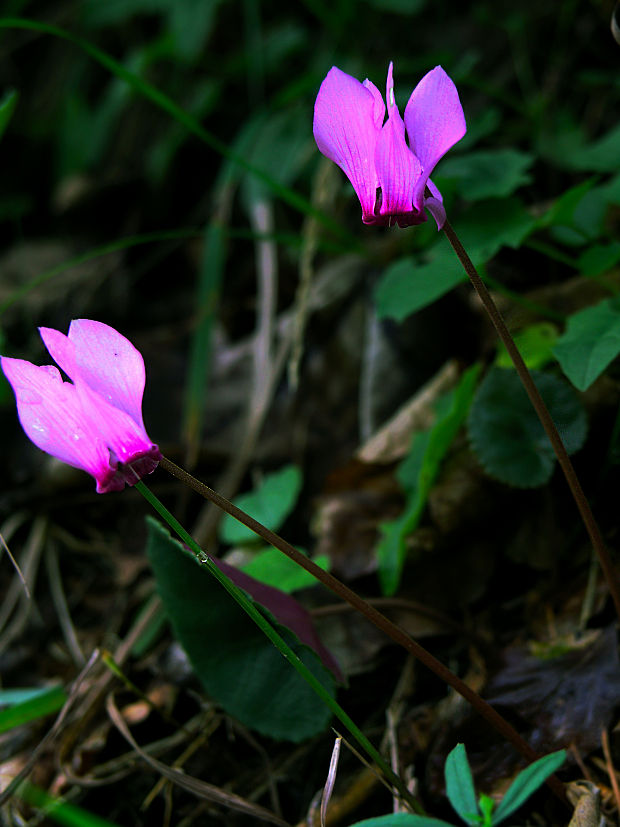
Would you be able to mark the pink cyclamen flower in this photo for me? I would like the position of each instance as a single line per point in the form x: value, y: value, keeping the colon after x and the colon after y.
x: 390, y: 178
x: 96, y: 422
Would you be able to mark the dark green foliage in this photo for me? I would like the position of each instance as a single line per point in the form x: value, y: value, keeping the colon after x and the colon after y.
x: 238, y: 666
x: 505, y: 431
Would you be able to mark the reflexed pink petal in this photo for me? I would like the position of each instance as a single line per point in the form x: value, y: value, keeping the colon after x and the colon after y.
x: 434, y: 191
x: 52, y: 416
x: 60, y: 349
x: 437, y: 210
x: 125, y: 437
x: 110, y: 365
x: 434, y: 204
x: 398, y: 169
x: 435, y: 122
x: 345, y: 130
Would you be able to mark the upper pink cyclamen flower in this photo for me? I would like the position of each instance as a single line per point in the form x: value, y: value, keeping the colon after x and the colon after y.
x: 390, y: 178
x: 96, y: 422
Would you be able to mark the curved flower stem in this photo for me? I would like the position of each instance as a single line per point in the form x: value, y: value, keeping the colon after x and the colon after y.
x: 375, y: 617
x: 543, y: 414
x: 285, y: 650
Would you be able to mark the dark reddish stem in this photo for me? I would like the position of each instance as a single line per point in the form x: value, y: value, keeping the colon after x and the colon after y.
x: 543, y: 414
x: 373, y: 615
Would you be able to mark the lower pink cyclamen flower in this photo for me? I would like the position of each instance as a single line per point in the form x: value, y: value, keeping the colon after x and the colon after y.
x: 391, y: 179
x: 95, y: 423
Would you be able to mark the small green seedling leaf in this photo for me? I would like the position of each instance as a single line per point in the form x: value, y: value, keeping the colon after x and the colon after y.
x: 270, y: 503
x: 487, y: 805
x: 460, y: 786
x: 273, y: 568
x: 505, y: 431
x: 402, y: 820
x: 526, y: 783
x: 535, y: 345
x: 591, y: 341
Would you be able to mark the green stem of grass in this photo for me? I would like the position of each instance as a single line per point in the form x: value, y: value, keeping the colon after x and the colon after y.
x: 164, y: 102
x: 239, y: 596
x: 543, y: 414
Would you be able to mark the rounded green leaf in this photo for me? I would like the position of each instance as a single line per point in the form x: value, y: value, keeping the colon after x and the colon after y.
x: 505, y: 431
x: 591, y: 341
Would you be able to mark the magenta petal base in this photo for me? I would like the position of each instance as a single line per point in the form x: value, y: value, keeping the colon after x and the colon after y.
x: 128, y: 473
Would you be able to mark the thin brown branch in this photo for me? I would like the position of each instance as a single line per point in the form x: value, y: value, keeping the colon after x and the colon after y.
x: 543, y: 414
x: 379, y: 620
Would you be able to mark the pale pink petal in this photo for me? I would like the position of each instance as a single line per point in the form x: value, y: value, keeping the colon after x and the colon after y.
x: 435, y: 122
x: 433, y: 190
x: 126, y: 438
x: 345, y: 129
x: 95, y: 423
x: 398, y: 169
x: 52, y: 416
x: 100, y: 357
x: 110, y: 365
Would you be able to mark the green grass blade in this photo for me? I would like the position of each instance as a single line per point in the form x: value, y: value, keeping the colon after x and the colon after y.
x: 97, y: 252
x: 59, y: 810
x: 207, y: 299
x: 161, y: 100
x: 44, y: 702
x: 7, y: 107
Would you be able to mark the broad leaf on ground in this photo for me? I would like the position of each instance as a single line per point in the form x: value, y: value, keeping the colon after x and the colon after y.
x: 505, y: 431
x: 236, y: 663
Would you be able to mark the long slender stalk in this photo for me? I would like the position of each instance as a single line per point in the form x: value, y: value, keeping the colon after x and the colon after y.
x: 543, y: 414
x: 393, y: 631
x: 285, y: 650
